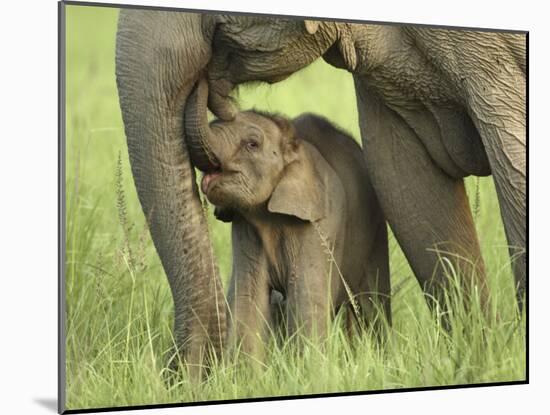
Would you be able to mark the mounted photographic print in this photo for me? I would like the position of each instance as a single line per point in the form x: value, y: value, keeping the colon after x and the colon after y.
x: 257, y: 207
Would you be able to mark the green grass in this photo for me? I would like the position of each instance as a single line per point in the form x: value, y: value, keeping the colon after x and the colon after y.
x: 119, y: 308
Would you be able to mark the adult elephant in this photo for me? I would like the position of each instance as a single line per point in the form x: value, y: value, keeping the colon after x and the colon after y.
x: 435, y: 106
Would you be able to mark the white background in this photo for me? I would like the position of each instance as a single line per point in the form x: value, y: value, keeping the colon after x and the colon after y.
x: 28, y: 204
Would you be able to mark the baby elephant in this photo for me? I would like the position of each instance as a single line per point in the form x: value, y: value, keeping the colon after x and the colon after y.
x: 306, y: 223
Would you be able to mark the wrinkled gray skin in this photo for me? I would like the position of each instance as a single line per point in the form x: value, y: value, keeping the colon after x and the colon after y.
x: 435, y: 106
x: 159, y: 58
x: 292, y: 190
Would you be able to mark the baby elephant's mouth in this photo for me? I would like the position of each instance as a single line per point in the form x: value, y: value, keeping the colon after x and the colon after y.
x: 207, y: 180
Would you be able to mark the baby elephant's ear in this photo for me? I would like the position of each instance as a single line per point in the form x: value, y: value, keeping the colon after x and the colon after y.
x: 301, y: 192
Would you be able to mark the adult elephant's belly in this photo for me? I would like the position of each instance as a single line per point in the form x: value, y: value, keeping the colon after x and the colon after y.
x: 449, y: 136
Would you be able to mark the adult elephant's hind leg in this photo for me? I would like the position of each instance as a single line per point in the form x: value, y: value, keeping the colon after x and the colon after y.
x: 503, y: 132
x: 427, y: 209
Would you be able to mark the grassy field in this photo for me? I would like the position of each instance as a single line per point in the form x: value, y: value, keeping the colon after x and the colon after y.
x: 119, y: 315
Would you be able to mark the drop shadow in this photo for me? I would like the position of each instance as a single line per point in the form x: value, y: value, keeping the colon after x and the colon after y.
x: 48, y: 403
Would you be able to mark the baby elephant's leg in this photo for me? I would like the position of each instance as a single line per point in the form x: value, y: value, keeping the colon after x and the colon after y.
x: 248, y: 297
x: 250, y: 314
x: 277, y: 305
x: 371, y: 306
x: 308, y: 301
x: 374, y: 299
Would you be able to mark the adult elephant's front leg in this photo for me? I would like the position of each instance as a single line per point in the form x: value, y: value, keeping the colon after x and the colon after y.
x: 427, y: 209
x: 159, y: 56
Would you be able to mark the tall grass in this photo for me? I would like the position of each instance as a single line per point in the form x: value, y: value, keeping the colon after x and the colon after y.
x: 118, y: 303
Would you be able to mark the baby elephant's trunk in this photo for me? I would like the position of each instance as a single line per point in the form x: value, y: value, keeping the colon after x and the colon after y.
x: 198, y: 133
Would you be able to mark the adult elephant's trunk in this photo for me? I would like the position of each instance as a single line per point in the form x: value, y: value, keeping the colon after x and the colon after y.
x: 198, y: 133
x: 159, y: 56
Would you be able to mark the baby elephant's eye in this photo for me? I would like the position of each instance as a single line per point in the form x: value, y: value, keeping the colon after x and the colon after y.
x: 252, y: 144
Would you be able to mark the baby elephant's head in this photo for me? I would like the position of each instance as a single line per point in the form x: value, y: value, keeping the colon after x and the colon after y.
x: 252, y: 152
x: 258, y: 163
